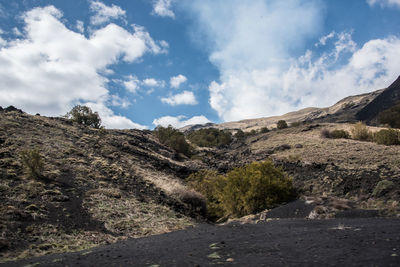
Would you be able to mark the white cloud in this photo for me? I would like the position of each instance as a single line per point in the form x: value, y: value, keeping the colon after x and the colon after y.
x: 162, y: 8
x: 179, y: 121
x: 176, y: 81
x: 323, y: 39
x: 112, y: 121
x: 384, y: 3
x: 51, y: 68
x: 184, y: 98
x: 251, y: 44
x: 131, y: 84
x: 151, y: 82
x: 104, y: 13
x: 80, y: 26
x: 117, y: 101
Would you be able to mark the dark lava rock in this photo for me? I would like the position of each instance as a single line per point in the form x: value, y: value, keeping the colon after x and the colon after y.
x: 298, y: 146
x: 12, y: 108
x: 295, y: 209
x: 282, y: 147
x: 387, y: 99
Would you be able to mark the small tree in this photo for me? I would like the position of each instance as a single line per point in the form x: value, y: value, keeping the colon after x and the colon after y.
x: 173, y: 138
x: 281, y: 124
x: 85, y: 116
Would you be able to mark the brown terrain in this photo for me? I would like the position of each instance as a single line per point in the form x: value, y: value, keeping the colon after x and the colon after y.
x: 104, y: 186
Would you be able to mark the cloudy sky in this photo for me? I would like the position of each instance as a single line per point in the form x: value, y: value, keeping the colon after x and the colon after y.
x: 142, y: 63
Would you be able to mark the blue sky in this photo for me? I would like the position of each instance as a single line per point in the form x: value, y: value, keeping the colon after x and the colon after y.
x: 147, y: 62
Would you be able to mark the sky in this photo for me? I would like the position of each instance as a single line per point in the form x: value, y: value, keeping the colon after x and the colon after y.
x: 143, y: 63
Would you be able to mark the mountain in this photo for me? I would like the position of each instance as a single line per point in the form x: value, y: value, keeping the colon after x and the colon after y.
x: 344, y: 110
x: 387, y: 99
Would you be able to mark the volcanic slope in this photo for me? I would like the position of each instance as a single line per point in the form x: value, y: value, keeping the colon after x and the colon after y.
x: 97, y: 186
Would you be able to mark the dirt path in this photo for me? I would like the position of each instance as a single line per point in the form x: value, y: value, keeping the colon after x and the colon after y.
x: 285, y: 242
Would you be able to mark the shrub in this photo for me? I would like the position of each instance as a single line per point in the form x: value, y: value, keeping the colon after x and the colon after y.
x: 336, y: 134
x: 192, y: 198
x: 32, y: 163
x: 391, y: 116
x: 281, y: 124
x: 85, y: 116
x: 210, y: 137
x: 240, y: 134
x: 360, y: 132
x: 209, y: 184
x: 264, y: 130
x: 173, y: 138
x: 296, y: 124
x: 255, y: 187
x: 387, y: 137
x: 325, y: 133
x: 245, y: 190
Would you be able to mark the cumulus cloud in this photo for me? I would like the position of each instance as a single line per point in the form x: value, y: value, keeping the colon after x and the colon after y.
x: 151, y: 82
x: 52, y: 68
x: 176, y: 81
x: 104, y: 13
x: 162, y: 8
x: 111, y: 120
x: 180, y: 121
x: 184, y: 98
x: 252, y: 45
x: 132, y: 84
x: 383, y: 3
x: 80, y: 26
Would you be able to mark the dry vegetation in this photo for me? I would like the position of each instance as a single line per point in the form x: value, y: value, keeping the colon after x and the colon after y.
x: 67, y: 187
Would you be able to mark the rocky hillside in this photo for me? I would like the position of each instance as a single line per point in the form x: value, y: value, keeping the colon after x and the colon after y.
x: 363, y: 175
x: 97, y: 186
x: 387, y: 99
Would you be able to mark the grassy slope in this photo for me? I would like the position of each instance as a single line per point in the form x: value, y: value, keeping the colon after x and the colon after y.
x: 98, y: 186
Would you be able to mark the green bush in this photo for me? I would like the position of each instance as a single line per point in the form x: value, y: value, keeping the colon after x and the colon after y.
x: 210, y: 185
x: 242, y: 191
x: 264, y: 130
x: 361, y: 132
x: 85, y: 116
x: 173, y: 138
x: 281, y: 124
x: 32, y: 163
x: 210, y: 137
x: 240, y: 134
x: 391, y: 116
x: 387, y: 137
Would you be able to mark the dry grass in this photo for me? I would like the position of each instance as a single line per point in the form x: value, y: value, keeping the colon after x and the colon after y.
x: 349, y: 154
x: 126, y: 215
